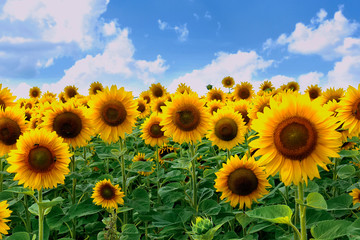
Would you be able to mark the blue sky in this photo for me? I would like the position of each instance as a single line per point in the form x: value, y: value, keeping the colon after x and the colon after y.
x: 134, y: 43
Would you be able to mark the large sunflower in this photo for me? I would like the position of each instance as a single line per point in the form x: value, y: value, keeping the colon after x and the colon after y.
x: 152, y: 132
x: 4, y: 213
x: 185, y: 118
x: 34, y: 92
x: 41, y: 159
x: 294, y: 137
x: 314, y: 91
x: 157, y: 90
x: 107, y: 195
x: 143, y: 108
x: 216, y: 94
x: 70, y: 123
x: 95, y: 87
x: 6, y: 98
x: 12, y: 126
x: 113, y: 112
x: 228, y: 129
x: 228, y: 82
x: 241, y: 181
x: 243, y: 91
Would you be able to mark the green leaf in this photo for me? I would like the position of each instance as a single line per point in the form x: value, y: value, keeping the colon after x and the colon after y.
x: 20, y: 190
x: 316, y: 200
x: 171, y: 193
x: 123, y: 209
x: 346, y: 171
x: 354, y: 228
x: 46, y: 203
x: 140, y: 201
x: 330, y: 229
x: 141, y: 166
x: 82, y: 209
x: 243, y: 219
x: 275, y: 213
x: 129, y: 231
x: 19, y: 236
x: 341, y: 202
x: 209, y: 235
x: 348, y: 153
x: 210, y: 207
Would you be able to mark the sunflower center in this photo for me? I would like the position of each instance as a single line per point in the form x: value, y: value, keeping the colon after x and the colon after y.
x: 141, y: 107
x: 242, y: 181
x: 27, y: 116
x: 245, y: 117
x: 147, y: 99
x: 155, y: 131
x: 96, y: 89
x: 158, y: 92
x: 295, y: 138
x: 67, y: 125
x: 356, y: 109
x: 159, y: 105
x: 107, y: 192
x: 214, y: 109
x: 262, y: 107
x: 244, y: 93
x: 71, y: 92
x: 28, y: 105
x: 40, y: 159
x: 114, y: 113
x: 9, y: 131
x: 228, y: 82
x: 216, y: 96
x: 2, y: 104
x: 34, y: 93
x: 226, y: 129
x: 187, y: 119
x: 313, y: 94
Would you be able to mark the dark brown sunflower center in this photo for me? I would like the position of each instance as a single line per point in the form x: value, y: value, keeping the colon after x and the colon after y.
x: 313, y: 94
x: 244, y: 93
x: 226, y: 129
x: 295, y: 138
x: 28, y: 105
x: 356, y: 109
x: 336, y: 98
x: 34, y: 93
x: 107, y: 192
x: 159, y: 105
x: 242, y: 181
x: 141, y: 107
x: 67, y: 125
x: 71, y: 93
x: 228, y: 82
x: 158, y: 92
x: 147, y: 99
x: 188, y: 118
x: 263, y: 106
x: 96, y: 89
x: 216, y: 96
x: 27, y: 116
x: 114, y: 113
x: 155, y: 131
x: 165, y: 151
x: 40, y: 159
x: 244, y: 115
x: 9, y: 131
x: 214, y: 109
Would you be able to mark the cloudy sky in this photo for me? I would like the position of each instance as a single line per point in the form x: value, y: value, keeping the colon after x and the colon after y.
x: 134, y: 43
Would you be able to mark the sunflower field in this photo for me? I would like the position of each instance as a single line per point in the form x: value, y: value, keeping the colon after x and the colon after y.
x: 232, y: 164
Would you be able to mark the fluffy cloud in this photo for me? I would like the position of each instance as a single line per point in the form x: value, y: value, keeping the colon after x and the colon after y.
x: 308, y: 79
x: 242, y: 66
x: 345, y: 72
x: 181, y: 30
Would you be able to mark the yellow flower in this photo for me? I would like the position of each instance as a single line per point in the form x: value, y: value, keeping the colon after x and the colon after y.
x: 152, y: 132
x: 95, y: 87
x: 182, y: 87
x: 216, y: 94
x: 107, y: 195
x: 6, y: 98
x: 266, y: 86
x: 4, y: 213
x: 330, y: 94
x: 314, y: 91
x: 141, y: 157
x: 243, y: 91
x: 228, y: 82
x: 214, y: 105
x: 70, y: 92
x: 157, y: 90
x: 34, y: 92
x: 158, y: 103
x: 143, y: 108
x: 355, y: 193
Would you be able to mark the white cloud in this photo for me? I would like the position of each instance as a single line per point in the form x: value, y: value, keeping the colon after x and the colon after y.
x: 242, y: 66
x: 321, y: 15
x: 345, y: 72
x: 308, y: 79
x: 109, y: 29
x: 181, y: 30
x: 279, y: 80
x: 162, y: 25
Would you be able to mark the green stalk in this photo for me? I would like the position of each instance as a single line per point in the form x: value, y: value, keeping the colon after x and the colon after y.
x: 1, y: 174
x: 336, y: 164
x: 157, y: 172
x: 27, y: 214
x: 193, y: 176
x: 41, y: 216
x: 228, y: 153
x: 73, y: 196
x: 302, y: 211
x: 122, y: 162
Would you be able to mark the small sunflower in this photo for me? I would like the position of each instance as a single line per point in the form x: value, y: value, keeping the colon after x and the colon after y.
x: 355, y: 193
x: 216, y: 94
x: 158, y: 103
x: 30, y: 103
x: 243, y: 91
x: 241, y: 181
x: 70, y: 123
x: 182, y: 87
x: 259, y: 105
x: 143, y: 108
x: 243, y: 108
x: 293, y: 86
x: 12, y: 126
x: 61, y: 97
x: 152, y: 132
x: 165, y: 150
x: 228, y: 82
x: 6, y: 98
x: 95, y: 87
x: 40, y: 160
x: 294, y: 138
x: 48, y: 97
x: 330, y: 94
x: 314, y: 91
x: 113, y: 112
x: 146, y: 95
x: 214, y: 105
x: 228, y: 129
x: 141, y: 157
x: 107, y: 195
x: 70, y: 92
x: 185, y: 118
x: 28, y: 114
x: 267, y: 86
x: 157, y: 90
x: 4, y: 213
x: 34, y: 92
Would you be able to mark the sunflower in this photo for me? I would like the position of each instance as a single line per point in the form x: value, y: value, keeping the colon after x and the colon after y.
x: 143, y: 108
x: 241, y: 181
x: 333, y: 106
x: 331, y: 94
x: 293, y: 86
x: 4, y: 213
x: 28, y: 114
x: 48, y: 97
x: 182, y: 87
x: 113, y: 112
x: 267, y: 86
x: 355, y: 193
x: 61, y: 97
x: 34, y: 92
x: 314, y: 91
x: 70, y: 92
x: 215, y: 94
x: 228, y: 82
x: 185, y: 118
x: 214, y: 105
x: 158, y: 103
x: 141, y: 157
x: 41, y: 159
x: 69, y: 122
x: 243, y: 108
x: 152, y: 132
x: 95, y: 87
x: 228, y: 129
x: 243, y: 91
x: 157, y: 90
x: 146, y: 95
x: 6, y: 98
x: 294, y: 137
x: 165, y: 150
x: 107, y: 195
x: 258, y: 106
x: 12, y: 125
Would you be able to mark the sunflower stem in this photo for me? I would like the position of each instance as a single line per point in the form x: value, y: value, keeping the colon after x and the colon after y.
x: 73, y: 196
x: 157, y: 173
x: 193, y: 175
x: 302, y: 211
x: 27, y: 214
x: 228, y: 153
x: 41, y: 216
x: 335, y: 176
x: 122, y: 161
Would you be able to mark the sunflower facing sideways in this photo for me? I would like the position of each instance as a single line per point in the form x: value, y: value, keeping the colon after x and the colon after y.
x: 241, y: 181
x: 182, y: 87
x: 185, y: 118
x: 158, y: 103
x: 41, y: 159
x: 214, y: 105
x: 69, y: 122
x: 228, y: 129
x: 4, y: 213
x: 113, y: 112
x: 12, y: 126
x: 107, y: 195
x: 330, y: 94
x: 152, y: 132
x: 295, y: 137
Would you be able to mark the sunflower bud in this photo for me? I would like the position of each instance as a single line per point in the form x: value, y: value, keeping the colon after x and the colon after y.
x: 201, y: 225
